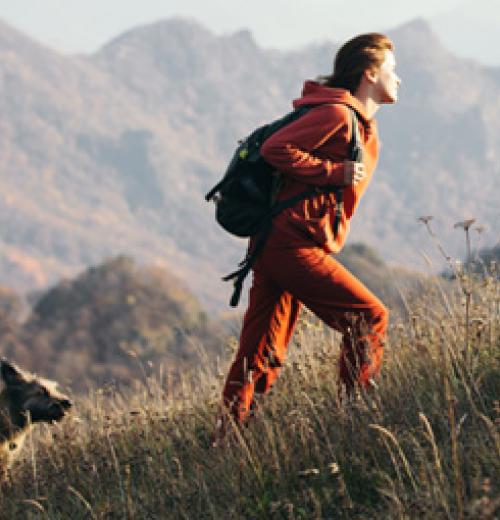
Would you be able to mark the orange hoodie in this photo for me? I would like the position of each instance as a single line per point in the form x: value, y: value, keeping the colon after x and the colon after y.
x: 310, y: 152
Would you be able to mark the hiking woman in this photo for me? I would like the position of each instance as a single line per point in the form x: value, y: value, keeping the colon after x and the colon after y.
x: 296, y: 266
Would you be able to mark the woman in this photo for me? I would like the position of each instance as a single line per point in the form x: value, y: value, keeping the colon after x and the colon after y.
x: 296, y: 266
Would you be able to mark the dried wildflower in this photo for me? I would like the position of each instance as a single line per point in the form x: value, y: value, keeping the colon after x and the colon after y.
x: 465, y: 224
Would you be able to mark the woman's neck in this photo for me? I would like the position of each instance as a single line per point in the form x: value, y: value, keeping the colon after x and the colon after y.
x: 369, y: 104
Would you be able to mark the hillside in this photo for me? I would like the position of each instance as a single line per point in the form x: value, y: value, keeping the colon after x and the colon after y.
x: 111, y: 154
x: 425, y: 445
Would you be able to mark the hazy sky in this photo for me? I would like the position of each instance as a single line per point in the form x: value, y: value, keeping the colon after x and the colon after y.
x: 84, y: 25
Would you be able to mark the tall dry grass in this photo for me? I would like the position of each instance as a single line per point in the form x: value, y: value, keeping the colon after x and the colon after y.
x: 426, y: 445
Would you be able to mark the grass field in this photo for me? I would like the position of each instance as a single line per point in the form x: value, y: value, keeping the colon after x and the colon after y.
x: 426, y: 445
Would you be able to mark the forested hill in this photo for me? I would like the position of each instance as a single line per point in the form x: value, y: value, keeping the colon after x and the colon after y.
x: 112, y: 324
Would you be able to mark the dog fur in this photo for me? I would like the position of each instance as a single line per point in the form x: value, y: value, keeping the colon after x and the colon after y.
x: 25, y: 399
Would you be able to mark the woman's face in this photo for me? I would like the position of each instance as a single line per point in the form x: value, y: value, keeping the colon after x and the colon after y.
x: 386, y: 80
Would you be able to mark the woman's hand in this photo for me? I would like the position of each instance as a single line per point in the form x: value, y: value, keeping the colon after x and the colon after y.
x: 353, y: 172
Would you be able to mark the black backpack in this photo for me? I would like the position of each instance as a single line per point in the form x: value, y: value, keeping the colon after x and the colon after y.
x: 245, y: 198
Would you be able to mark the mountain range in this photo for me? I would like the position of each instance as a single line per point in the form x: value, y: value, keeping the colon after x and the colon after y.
x: 471, y: 29
x: 111, y: 153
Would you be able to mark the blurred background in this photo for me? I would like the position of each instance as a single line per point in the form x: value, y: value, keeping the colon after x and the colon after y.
x: 117, y: 117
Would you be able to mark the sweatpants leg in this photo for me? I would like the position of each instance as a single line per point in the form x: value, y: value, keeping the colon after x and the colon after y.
x: 267, y: 329
x: 282, y: 279
x: 338, y: 298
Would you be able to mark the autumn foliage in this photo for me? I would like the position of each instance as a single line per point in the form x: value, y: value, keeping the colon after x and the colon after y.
x: 111, y: 324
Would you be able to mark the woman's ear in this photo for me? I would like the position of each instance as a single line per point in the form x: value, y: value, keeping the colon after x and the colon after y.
x: 371, y: 74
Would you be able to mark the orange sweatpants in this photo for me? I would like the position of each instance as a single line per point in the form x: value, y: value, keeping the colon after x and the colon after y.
x: 283, y: 279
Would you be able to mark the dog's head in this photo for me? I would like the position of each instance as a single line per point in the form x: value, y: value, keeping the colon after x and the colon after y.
x: 33, y: 396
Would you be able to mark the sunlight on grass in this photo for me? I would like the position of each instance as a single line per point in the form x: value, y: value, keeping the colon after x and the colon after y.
x: 426, y: 445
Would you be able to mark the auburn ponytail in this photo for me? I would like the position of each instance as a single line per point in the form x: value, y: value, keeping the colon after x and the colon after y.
x: 366, y: 51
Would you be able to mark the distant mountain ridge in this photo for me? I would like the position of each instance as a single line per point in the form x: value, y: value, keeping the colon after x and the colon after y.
x: 471, y: 30
x: 112, y: 153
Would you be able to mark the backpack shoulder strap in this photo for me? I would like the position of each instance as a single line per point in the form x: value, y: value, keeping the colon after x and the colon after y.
x: 355, y: 145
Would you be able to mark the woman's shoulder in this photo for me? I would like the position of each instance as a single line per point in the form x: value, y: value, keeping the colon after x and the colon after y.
x: 338, y: 111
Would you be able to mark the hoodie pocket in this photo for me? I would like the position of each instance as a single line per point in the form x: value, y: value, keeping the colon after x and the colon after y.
x: 314, y: 218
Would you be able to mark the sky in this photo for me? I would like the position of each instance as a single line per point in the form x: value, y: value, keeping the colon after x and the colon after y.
x: 83, y: 26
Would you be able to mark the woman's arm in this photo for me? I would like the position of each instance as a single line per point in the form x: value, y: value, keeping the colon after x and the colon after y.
x: 291, y: 149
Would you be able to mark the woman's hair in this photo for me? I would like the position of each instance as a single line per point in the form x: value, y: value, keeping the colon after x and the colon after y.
x: 366, y: 51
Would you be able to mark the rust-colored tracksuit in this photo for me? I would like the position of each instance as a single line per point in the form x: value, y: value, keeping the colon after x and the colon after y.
x: 296, y: 267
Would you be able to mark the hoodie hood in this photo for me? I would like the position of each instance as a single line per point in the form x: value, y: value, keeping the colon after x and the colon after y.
x: 314, y: 94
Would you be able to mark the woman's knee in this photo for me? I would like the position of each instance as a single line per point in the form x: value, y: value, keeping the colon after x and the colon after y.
x: 380, y: 316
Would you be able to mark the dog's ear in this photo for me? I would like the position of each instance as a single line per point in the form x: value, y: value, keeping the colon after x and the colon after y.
x: 10, y: 374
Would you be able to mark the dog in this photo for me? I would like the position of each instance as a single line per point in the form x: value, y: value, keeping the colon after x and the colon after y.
x: 25, y: 400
